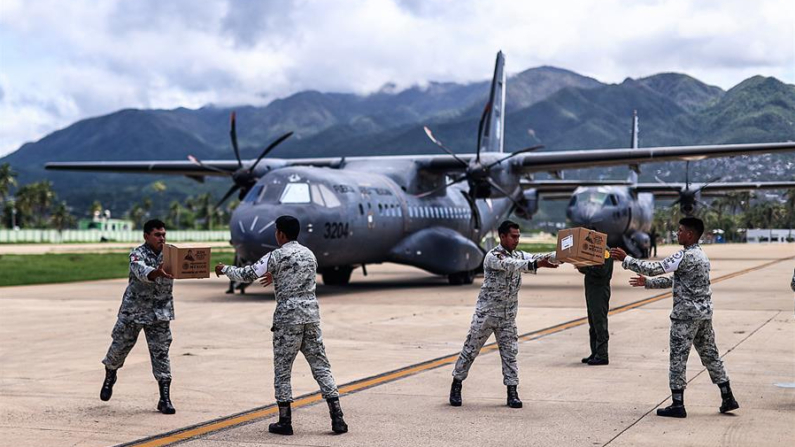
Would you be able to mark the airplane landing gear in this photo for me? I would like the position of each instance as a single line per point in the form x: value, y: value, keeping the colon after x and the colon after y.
x: 337, y: 276
x: 461, y: 278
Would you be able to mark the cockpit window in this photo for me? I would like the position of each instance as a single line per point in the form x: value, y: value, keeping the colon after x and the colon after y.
x: 329, y: 197
x: 252, y: 195
x: 295, y: 193
x: 613, y: 200
x: 595, y: 197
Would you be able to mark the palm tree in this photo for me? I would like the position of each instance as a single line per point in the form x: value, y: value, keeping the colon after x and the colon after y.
x: 7, y: 180
x: 33, y: 201
x: 61, y: 217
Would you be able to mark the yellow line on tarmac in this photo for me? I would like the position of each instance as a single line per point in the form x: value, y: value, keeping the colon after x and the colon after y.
x: 216, y: 425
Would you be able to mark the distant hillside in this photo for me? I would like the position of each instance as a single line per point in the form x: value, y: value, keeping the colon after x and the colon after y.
x: 546, y: 105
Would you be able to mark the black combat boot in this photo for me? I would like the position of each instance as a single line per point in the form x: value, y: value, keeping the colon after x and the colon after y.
x: 107, y: 385
x: 728, y: 403
x: 677, y: 408
x: 164, y: 406
x: 513, y: 397
x: 587, y: 359
x: 285, y: 424
x: 338, y: 424
x: 455, y: 393
x: 596, y: 360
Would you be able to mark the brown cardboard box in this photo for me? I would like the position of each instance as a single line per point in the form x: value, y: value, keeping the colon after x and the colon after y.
x: 187, y: 261
x: 581, y: 247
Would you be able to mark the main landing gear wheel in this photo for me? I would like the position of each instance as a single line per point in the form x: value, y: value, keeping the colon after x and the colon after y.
x: 337, y: 276
x: 461, y: 278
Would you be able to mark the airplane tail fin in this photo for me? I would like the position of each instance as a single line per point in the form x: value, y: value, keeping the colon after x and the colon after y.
x: 492, y: 122
x: 635, y: 168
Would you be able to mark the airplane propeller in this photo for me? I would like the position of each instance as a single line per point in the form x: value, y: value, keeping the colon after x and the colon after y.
x: 477, y: 174
x: 244, y: 178
x: 688, y: 198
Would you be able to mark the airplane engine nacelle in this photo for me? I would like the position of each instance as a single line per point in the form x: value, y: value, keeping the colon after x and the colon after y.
x: 438, y: 250
x: 529, y: 202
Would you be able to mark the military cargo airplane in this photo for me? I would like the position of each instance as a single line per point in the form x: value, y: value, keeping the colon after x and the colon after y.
x: 428, y: 211
x: 625, y: 210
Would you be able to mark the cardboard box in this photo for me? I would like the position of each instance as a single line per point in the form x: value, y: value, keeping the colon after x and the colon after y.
x: 187, y: 261
x: 581, y: 247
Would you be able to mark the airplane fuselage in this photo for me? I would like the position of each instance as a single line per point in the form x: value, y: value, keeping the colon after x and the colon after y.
x: 354, y: 216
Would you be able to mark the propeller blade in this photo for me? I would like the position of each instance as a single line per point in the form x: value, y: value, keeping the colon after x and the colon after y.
x: 233, y: 136
x: 198, y: 162
x: 486, y: 113
x: 228, y: 194
x: 715, y: 179
x: 427, y: 193
x: 444, y: 148
x: 505, y: 193
x: 521, y: 151
x: 687, y: 175
x: 268, y: 149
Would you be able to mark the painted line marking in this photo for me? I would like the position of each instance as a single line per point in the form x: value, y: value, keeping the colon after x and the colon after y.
x: 216, y: 425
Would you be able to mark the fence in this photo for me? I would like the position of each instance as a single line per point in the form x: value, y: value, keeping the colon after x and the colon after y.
x: 89, y: 236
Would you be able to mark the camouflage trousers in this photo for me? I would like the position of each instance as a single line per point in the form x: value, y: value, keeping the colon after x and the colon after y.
x: 288, y: 339
x: 158, y: 337
x: 504, y: 330
x: 698, y: 333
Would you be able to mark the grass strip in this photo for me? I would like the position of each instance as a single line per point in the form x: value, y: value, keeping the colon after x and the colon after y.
x: 21, y: 270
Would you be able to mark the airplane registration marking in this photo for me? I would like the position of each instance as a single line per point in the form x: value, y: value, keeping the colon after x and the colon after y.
x: 216, y: 425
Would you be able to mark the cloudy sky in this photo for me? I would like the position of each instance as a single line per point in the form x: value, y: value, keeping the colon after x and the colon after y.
x: 62, y: 61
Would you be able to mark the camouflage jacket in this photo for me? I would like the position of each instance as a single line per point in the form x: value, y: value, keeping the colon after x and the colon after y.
x: 690, y: 282
x: 793, y: 281
x: 294, y: 270
x: 146, y: 301
x: 499, y: 294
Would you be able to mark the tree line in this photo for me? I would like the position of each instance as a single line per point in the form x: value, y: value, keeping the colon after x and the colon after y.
x: 36, y: 205
x: 733, y: 213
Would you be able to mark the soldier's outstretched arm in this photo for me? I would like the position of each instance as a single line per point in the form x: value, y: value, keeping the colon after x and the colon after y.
x: 654, y: 268
x: 663, y: 282
x: 509, y: 264
x: 249, y: 273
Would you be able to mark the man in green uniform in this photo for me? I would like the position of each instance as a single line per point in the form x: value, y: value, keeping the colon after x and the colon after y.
x: 597, y: 300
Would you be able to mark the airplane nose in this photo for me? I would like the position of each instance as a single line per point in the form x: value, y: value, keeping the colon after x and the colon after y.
x: 253, y: 234
x: 589, y: 216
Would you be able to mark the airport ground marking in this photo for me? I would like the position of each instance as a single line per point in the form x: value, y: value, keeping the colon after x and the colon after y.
x: 255, y: 414
x: 692, y: 379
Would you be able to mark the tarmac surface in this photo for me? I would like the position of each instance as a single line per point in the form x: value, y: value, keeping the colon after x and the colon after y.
x: 392, y: 338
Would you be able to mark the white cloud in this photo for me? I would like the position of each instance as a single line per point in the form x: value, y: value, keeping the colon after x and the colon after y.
x: 64, y: 61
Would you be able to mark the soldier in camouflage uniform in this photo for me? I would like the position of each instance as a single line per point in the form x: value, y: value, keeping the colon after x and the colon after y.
x: 292, y: 268
x: 149, y: 305
x: 496, y: 310
x: 691, y: 317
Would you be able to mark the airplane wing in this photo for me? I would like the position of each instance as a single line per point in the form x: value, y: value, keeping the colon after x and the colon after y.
x: 162, y: 167
x: 548, y: 187
x: 555, y: 161
x: 673, y: 189
x: 531, y: 162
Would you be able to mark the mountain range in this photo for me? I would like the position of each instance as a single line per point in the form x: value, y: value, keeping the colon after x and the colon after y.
x: 551, y: 106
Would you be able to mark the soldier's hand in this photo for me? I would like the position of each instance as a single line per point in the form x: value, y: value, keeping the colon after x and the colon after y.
x: 637, y: 281
x: 618, y: 253
x: 266, y: 280
x: 219, y: 269
x: 160, y: 272
x: 545, y: 263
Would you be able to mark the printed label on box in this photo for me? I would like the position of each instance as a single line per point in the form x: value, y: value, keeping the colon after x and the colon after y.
x: 567, y: 242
